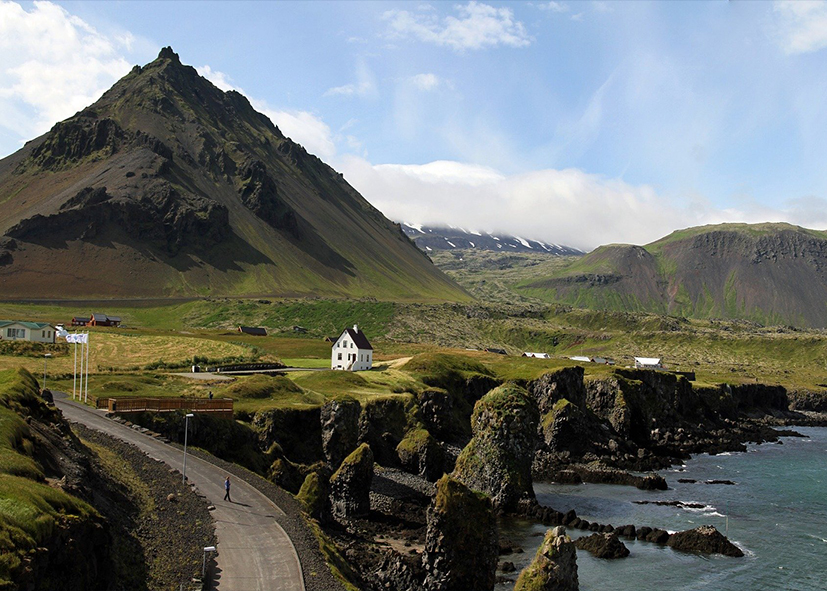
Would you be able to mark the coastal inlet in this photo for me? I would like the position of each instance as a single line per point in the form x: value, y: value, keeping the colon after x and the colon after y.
x: 777, y: 514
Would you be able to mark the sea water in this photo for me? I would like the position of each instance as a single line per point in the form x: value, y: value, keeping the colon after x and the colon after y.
x: 776, y: 513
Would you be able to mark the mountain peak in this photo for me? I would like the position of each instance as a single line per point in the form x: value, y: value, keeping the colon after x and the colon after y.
x: 167, y: 185
x: 167, y: 53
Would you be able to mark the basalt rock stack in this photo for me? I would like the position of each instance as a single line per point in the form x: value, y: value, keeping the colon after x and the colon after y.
x: 498, y: 459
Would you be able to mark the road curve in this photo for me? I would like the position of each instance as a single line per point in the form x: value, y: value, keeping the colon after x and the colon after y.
x: 254, y: 552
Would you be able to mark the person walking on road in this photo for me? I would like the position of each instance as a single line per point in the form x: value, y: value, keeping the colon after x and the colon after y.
x: 227, y: 490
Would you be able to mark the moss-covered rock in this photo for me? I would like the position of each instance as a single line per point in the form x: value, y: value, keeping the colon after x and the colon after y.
x: 383, y: 424
x: 419, y: 453
x: 554, y: 567
x: 314, y: 496
x: 498, y: 459
x: 461, y: 547
x: 350, y: 484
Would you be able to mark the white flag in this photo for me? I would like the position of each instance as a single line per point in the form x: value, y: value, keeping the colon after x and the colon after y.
x: 77, y: 338
x: 62, y: 333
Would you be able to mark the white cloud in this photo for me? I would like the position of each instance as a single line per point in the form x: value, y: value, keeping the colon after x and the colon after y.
x: 477, y: 26
x: 302, y: 127
x: 365, y: 84
x: 553, y: 7
x: 220, y: 79
x: 425, y: 81
x: 801, y: 25
x: 568, y: 206
x: 53, y: 64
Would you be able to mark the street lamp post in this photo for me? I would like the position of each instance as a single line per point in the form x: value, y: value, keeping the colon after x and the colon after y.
x: 186, y: 429
x: 45, y: 359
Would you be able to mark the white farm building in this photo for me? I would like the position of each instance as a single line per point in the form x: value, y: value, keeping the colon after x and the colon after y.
x: 16, y: 330
x: 352, y: 351
x: 648, y: 363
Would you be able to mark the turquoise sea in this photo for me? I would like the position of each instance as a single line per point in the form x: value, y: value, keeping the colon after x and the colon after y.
x: 776, y: 512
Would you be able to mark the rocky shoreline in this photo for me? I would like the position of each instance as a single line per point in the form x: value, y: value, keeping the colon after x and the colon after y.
x: 622, y: 433
x: 365, y: 473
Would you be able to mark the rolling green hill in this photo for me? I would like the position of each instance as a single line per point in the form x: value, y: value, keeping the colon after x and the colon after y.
x: 768, y: 273
x: 169, y: 187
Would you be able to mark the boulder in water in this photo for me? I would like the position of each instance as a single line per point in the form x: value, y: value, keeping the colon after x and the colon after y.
x: 603, y: 545
x: 704, y: 540
x: 554, y: 567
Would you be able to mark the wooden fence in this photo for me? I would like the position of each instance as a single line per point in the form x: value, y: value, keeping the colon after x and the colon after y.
x: 216, y: 406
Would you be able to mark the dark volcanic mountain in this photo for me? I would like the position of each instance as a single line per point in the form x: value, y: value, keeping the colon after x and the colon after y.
x: 769, y: 273
x: 430, y: 238
x: 168, y: 186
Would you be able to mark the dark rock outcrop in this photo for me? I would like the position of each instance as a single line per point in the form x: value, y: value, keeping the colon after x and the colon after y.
x: 566, y: 383
x: 704, y: 540
x: 340, y: 429
x: 554, y: 567
x: 350, y: 484
x: 603, y: 545
x: 498, y: 459
x: 419, y: 453
x: 461, y: 547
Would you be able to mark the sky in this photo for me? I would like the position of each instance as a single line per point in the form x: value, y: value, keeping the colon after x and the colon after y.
x: 577, y: 123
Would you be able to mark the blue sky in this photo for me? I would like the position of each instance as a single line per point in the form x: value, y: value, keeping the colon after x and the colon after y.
x: 573, y: 122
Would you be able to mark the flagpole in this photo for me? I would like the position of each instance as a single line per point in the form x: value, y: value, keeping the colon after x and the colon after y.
x: 87, y: 367
x: 82, y: 358
x: 86, y: 397
x: 75, y: 374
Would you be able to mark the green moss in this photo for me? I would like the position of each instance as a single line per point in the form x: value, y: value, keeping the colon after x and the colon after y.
x: 313, y: 495
x: 335, y: 561
x: 30, y: 511
x: 357, y: 456
x: 415, y: 440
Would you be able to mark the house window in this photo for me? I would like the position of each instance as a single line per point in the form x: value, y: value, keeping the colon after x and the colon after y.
x: 16, y: 333
x: 340, y: 356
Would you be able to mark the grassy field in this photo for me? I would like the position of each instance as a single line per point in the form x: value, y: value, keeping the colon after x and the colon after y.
x: 139, y: 360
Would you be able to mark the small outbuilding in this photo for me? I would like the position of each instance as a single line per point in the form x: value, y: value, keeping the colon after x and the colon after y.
x: 536, y: 355
x: 18, y: 330
x: 104, y: 320
x: 648, y: 363
x: 581, y: 359
x: 352, y: 351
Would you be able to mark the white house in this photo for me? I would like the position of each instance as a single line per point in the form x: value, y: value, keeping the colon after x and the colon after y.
x: 581, y: 359
x: 536, y: 355
x: 648, y: 363
x: 38, y: 332
x: 352, y: 351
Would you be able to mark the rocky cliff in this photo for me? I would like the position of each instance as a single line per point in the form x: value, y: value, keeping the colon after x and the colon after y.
x: 769, y: 273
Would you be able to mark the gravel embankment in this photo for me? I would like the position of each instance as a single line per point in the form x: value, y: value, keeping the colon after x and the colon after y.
x: 159, y: 525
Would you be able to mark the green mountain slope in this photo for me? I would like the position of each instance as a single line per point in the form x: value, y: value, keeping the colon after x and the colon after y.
x: 168, y: 186
x: 769, y: 273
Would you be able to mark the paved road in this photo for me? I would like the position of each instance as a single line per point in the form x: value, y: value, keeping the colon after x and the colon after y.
x: 254, y: 552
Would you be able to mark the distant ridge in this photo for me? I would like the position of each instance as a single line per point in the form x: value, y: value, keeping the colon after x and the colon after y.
x: 169, y: 187
x: 430, y: 238
x: 767, y: 273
